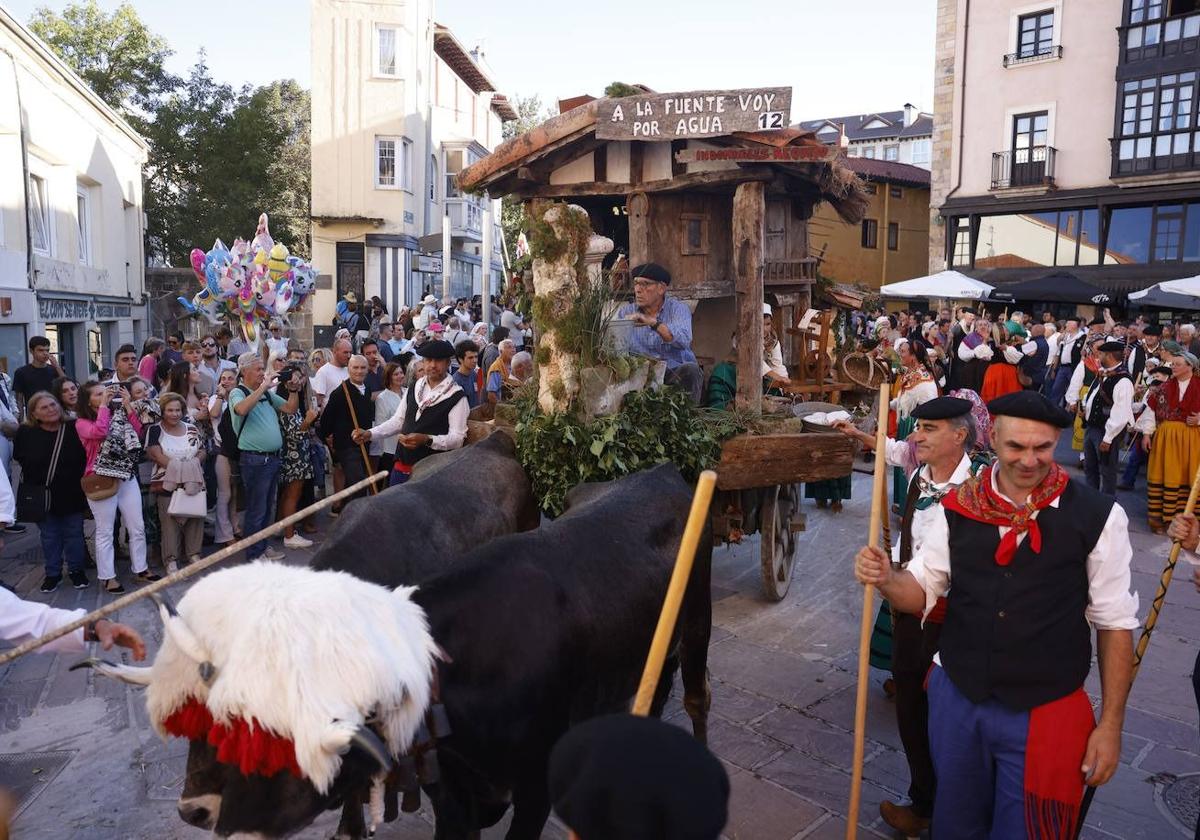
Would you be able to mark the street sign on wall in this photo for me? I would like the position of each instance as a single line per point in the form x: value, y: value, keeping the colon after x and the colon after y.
x: 429, y: 265
x: 698, y: 113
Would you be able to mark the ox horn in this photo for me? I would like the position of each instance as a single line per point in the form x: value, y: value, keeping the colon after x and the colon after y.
x: 130, y: 674
x: 341, y: 738
x: 184, y: 638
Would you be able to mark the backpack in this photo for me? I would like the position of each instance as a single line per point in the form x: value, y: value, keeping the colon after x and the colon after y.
x: 230, y: 438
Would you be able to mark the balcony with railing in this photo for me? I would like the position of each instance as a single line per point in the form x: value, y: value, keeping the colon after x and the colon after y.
x: 1030, y: 56
x: 1027, y: 167
x: 466, y: 217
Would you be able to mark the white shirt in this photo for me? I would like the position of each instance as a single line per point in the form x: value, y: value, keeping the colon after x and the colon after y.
x: 330, y: 376
x: 386, y: 405
x: 22, y: 620
x: 1121, y: 414
x: 920, y: 520
x: 210, y: 377
x: 453, y: 438
x: 278, y: 345
x: 1066, y: 344
x: 775, y: 365
x: 1052, y: 345
x: 1111, y: 604
x: 1147, y: 423
x: 8, y: 506
x: 1076, y: 384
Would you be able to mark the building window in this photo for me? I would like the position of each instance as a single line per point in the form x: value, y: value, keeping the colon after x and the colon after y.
x: 39, y: 216
x: 922, y: 152
x: 83, y: 219
x: 1035, y: 34
x: 891, y: 153
x: 960, y: 253
x: 895, y: 192
x: 870, y: 233
x: 1158, y: 123
x: 1142, y: 10
x: 386, y: 39
x: 694, y: 234
x: 393, y: 163
x: 868, y: 152
x: 871, y: 189
x: 893, y: 236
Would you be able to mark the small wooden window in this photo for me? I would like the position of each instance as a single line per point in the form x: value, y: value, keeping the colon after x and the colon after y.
x: 694, y: 234
x: 893, y: 236
x: 896, y: 192
x: 871, y: 189
x: 870, y: 233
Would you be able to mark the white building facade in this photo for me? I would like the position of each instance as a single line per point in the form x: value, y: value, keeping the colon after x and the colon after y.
x: 904, y: 136
x: 71, y: 213
x: 399, y: 107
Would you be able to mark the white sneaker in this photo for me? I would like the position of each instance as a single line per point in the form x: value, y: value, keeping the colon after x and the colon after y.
x: 272, y: 553
x: 296, y: 541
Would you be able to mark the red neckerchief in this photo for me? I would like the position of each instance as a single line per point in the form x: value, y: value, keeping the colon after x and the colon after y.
x: 977, y: 499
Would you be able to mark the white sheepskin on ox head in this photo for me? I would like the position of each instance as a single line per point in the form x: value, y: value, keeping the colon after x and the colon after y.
x: 308, y: 655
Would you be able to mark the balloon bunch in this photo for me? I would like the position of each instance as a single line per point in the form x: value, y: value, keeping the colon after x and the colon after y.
x: 252, y: 282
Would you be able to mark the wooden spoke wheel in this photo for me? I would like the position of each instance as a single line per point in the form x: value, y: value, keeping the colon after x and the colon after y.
x: 778, y: 543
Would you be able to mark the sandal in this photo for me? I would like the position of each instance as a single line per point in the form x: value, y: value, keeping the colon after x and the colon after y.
x: 147, y: 576
x: 113, y: 587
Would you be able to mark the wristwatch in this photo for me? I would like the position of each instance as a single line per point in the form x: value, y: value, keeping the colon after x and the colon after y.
x: 89, y: 631
x: 657, y: 323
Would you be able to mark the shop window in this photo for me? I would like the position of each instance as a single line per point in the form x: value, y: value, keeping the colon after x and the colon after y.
x: 1129, y: 234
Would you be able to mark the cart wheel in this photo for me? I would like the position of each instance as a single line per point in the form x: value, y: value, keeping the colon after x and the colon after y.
x: 778, y: 544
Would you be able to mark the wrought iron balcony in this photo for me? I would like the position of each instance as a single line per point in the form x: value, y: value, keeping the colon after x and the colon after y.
x: 1029, y: 56
x: 1028, y: 167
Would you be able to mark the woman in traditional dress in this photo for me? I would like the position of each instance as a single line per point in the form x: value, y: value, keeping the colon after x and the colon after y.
x: 915, y: 384
x: 1002, y: 376
x: 974, y: 353
x: 1170, y: 429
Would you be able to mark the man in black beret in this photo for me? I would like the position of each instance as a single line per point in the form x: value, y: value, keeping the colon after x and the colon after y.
x: 936, y: 456
x: 961, y: 329
x: 664, y: 328
x: 1107, y: 413
x: 431, y: 418
x: 1029, y: 562
x: 1143, y: 354
x: 620, y: 777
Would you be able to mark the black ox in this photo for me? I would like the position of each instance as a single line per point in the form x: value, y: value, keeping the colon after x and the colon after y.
x: 541, y: 630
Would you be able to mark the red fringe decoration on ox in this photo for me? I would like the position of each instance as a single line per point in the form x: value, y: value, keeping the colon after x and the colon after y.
x: 245, y: 744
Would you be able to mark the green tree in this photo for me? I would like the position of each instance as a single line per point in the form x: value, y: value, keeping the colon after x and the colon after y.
x: 513, y: 219
x: 122, y: 61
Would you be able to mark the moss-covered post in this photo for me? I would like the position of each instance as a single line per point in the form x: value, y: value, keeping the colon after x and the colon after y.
x: 559, y: 244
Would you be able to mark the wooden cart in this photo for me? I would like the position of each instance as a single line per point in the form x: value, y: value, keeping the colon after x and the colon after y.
x: 724, y: 205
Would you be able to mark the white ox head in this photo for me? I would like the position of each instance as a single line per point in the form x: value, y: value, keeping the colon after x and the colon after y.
x: 274, y: 673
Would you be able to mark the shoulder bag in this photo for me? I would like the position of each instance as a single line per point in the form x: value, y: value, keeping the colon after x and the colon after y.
x: 33, y: 500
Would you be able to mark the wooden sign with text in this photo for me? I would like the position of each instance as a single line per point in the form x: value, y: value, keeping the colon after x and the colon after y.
x: 698, y: 113
x: 759, y: 154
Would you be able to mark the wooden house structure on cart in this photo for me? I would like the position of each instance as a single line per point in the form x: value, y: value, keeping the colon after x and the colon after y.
x: 712, y: 185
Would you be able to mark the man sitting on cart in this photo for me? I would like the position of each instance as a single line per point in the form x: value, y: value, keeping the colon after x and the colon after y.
x: 668, y: 328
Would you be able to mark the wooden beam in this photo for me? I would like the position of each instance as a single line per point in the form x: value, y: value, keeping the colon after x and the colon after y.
x: 524, y: 148
x: 544, y: 167
x: 695, y: 180
x: 749, y: 220
x: 638, y: 207
x: 759, y: 460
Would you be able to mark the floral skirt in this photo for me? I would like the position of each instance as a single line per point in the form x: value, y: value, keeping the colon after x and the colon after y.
x: 297, y: 465
x: 1174, y: 457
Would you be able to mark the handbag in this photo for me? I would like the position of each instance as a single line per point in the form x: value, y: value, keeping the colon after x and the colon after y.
x: 98, y: 487
x: 187, y: 506
x: 33, y: 500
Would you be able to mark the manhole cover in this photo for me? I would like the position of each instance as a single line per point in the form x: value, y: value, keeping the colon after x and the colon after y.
x: 1182, y: 798
x: 25, y: 775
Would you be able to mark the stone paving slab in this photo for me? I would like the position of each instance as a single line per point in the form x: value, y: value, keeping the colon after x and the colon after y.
x: 783, y: 695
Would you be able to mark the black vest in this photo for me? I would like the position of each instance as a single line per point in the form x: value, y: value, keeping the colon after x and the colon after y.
x: 1101, y: 406
x: 1017, y: 633
x: 434, y: 420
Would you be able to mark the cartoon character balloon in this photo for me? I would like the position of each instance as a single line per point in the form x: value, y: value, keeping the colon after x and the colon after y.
x: 250, y: 282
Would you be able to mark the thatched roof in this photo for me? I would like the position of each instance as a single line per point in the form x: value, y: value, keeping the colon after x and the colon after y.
x: 522, y: 165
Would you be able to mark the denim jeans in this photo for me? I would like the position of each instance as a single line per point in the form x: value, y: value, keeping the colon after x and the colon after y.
x: 62, y: 539
x: 1062, y: 381
x: 260, y: 478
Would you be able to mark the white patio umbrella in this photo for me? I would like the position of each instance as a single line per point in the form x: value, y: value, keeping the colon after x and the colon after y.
x: 951, y: 285
x: 1186, y: 286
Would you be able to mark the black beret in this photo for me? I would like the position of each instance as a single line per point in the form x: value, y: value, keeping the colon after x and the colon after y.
x: 1152, y: 329
x: 967, y: 310
x: 635, y: 778
x: 942, y: 408
x: 1112, y: 347
x: 436, y: 349
x: 1163, y: 369
x: 651, y: 271
x: 1099, y: 322
x: 1030, y: 405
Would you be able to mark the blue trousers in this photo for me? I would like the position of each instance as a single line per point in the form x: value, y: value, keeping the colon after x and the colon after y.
x: 1062, y: 380
x: 1133, y: 465
x: 260, y: 478
x: 979, y: 757
x: 62, y: 539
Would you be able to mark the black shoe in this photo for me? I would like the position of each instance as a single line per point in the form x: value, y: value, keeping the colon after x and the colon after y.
x: 1124, y: 486
x: 15, y: 528
x: 148, y: 576
x: 79, y: 580
x: 114, y: 587
x: 51, y: 582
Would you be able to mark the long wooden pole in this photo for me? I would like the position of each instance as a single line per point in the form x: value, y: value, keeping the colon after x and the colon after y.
x: 183, y: 574
x: 675, y: 591
x: 361, y: 447
x: 1143, y: 642
x: 878, y: 511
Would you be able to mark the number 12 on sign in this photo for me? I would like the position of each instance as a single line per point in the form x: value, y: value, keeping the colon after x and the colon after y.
x: 768, y: 120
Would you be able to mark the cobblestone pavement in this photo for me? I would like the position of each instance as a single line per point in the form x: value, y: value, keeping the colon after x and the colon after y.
x: 783, y: 705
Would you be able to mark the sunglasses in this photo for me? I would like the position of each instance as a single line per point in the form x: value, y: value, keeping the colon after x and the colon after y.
x: 208, y: 344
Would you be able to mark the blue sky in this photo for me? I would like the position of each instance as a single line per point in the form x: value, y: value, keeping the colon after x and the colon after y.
x: 839, y: 57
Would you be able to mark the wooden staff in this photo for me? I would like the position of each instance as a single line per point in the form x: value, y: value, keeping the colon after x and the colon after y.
x: 878, y: 505
x: 652, y: 673
x: 1164, y: 582
x: 183, y: 574
x: 361, y: 446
